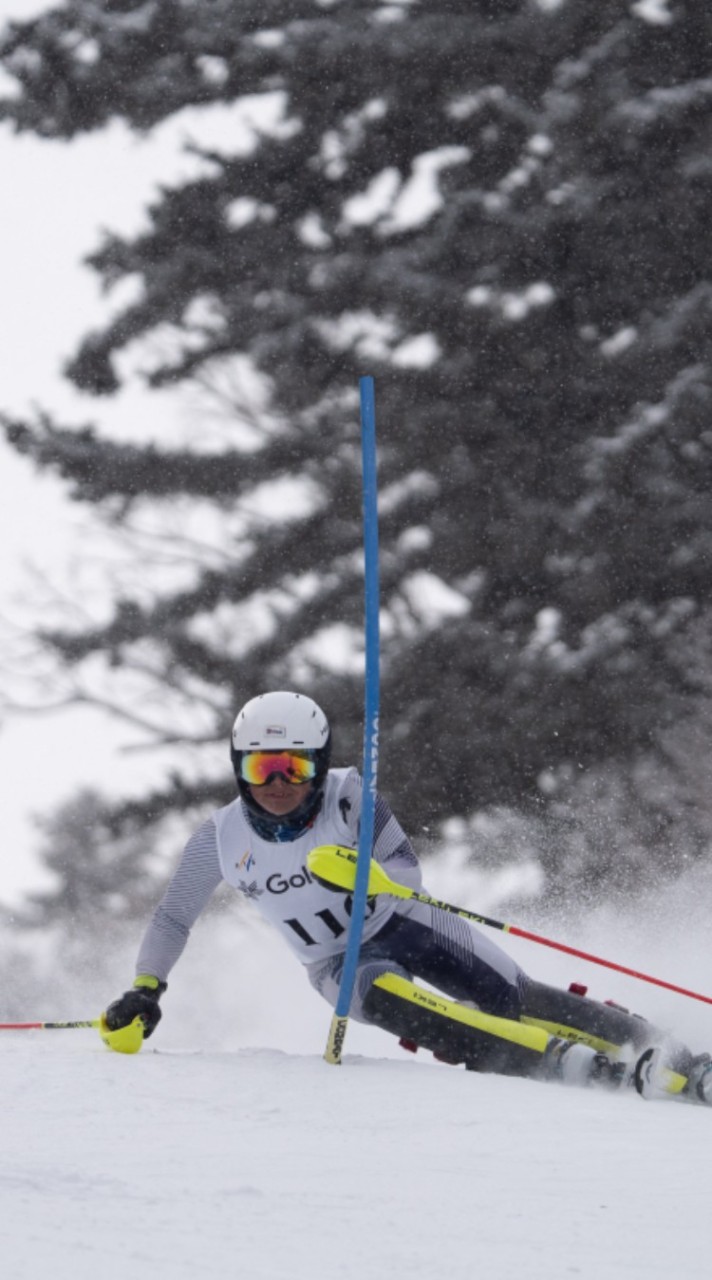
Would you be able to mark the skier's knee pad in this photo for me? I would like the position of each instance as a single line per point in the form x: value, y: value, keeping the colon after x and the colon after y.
x: 604, y: 1027
x: 451, y: 1030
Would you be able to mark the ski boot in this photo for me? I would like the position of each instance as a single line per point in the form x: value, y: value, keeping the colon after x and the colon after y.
x: 569, y: 1062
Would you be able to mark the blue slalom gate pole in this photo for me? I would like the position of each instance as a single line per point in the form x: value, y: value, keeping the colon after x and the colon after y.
x: 339, y: 1021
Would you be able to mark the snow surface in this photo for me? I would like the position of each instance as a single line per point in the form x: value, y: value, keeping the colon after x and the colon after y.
x: 228, y: 1147
x: 273, y: 1165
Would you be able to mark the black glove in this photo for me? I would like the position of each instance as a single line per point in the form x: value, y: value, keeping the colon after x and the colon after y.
x: 140, y: 1002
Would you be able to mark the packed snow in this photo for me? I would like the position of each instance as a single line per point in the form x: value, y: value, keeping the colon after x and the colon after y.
x: 228, y: 1146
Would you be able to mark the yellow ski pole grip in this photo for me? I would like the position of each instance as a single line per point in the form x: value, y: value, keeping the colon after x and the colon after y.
x: 337, y: 866
x: 125, y: 1039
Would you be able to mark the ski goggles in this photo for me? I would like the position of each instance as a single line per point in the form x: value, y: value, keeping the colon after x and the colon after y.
x: 297, y: 767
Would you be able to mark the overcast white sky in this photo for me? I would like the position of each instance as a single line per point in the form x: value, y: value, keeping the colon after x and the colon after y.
x: 54, y: 199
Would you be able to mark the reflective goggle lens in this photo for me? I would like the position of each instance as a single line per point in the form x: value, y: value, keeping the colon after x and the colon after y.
x: 257, y: 767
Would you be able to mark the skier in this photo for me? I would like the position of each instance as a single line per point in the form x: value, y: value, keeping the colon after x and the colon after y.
x: 496, y: 1018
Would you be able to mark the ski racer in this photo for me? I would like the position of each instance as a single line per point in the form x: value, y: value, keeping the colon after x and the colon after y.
x: 495, y: 1017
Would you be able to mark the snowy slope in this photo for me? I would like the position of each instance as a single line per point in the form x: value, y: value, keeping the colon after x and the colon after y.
x: 272, y: 1166
x: 229, y: 1148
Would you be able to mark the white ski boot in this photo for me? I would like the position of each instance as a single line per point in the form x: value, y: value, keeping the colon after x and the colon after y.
x: 572, y: 1063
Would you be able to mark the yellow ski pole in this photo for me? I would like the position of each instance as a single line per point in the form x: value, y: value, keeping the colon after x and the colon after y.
x: 336, y: 865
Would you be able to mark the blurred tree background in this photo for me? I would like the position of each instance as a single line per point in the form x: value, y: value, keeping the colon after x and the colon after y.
x: 500, y: 210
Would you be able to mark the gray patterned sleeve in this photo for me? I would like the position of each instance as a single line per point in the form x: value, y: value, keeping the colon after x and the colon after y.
x: 392, y: 848
x: 196, y: 879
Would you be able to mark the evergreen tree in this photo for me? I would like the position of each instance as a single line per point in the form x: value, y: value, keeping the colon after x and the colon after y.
x: 499, y: 209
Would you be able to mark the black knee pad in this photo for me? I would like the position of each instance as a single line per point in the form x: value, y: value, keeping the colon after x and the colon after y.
x: 565, y: 1013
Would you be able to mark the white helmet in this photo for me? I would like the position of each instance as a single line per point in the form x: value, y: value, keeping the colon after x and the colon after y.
x: 272, y: 721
